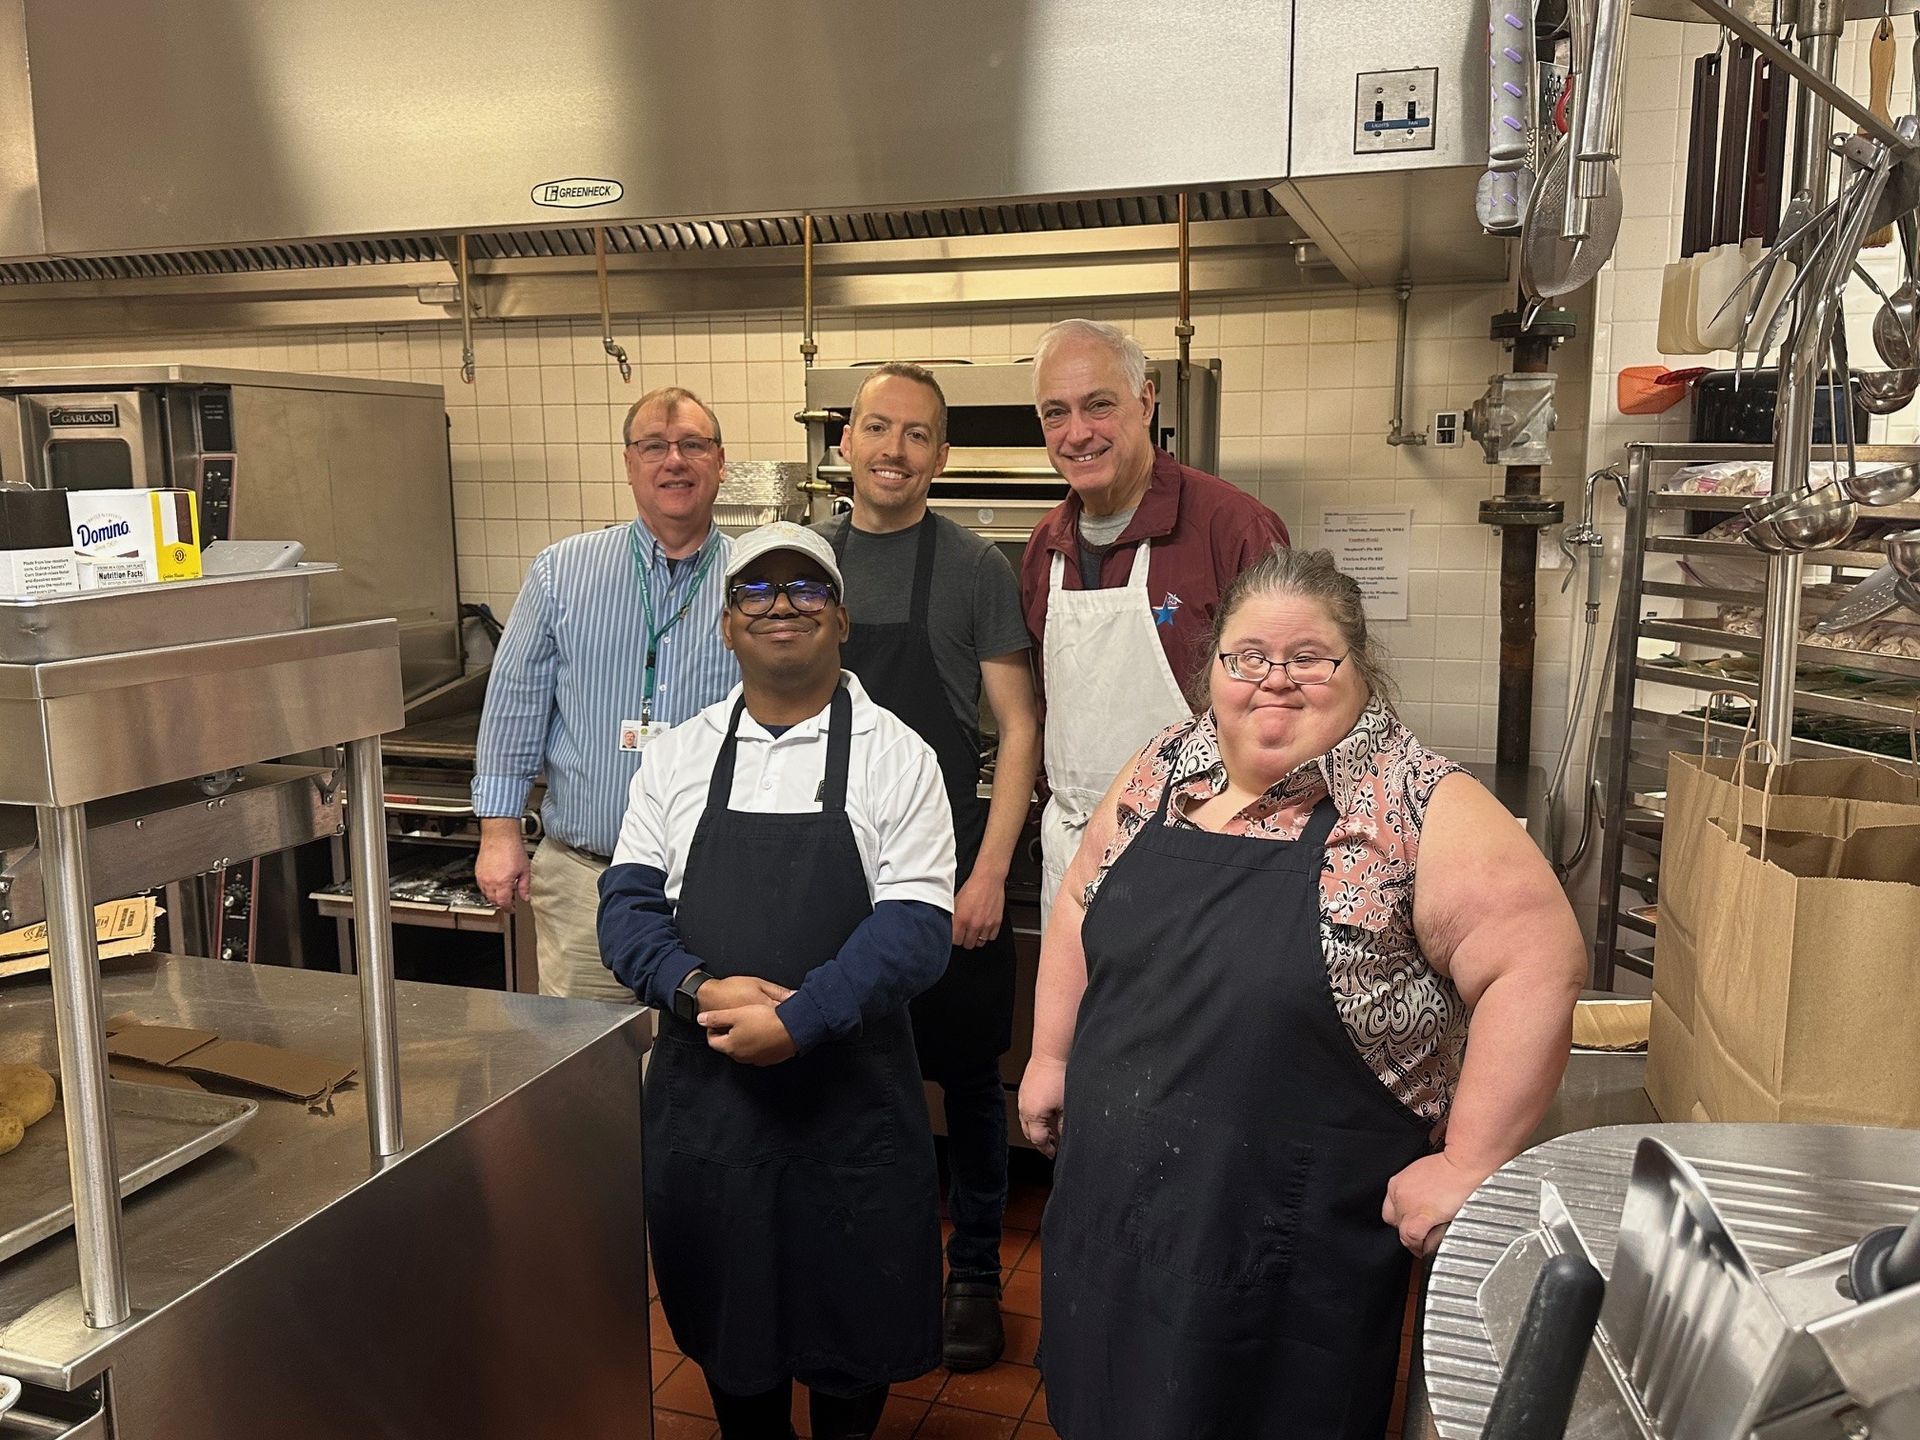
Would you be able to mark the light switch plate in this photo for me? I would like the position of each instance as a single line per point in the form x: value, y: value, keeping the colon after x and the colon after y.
x: 1447, y: 432
x: 1393, y: 111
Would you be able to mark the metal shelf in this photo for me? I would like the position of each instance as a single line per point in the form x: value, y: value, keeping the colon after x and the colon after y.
x: 1739, y: 550
x: 1733, y: 504
x: 1641, y: 737
x: 1889, y: 715
x: 1865, y: 662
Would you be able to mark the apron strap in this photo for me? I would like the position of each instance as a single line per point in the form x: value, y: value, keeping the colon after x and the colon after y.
x: 922, y: 566
x: 720, y: 786
x: 922, y: 572
x: 1166, y: 790
x: 1056, y: 570
x: 833, y: 790
x: 1137, y: 577
x: 1320, y: 824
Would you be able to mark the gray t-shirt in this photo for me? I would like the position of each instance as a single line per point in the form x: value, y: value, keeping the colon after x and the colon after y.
x: 972, y: 615
x: 1097, y: 534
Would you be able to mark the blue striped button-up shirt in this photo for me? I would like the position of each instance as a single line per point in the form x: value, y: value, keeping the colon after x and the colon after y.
x: 571, y: 669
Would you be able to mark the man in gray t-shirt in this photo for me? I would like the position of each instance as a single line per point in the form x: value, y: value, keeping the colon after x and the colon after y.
x: 936, y: 622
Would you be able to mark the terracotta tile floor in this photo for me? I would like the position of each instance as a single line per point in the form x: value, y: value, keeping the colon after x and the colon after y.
x: 1006, y: 1402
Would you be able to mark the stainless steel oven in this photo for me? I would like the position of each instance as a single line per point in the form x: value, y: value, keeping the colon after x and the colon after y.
x: 356, y: 470
x: 998, y: 482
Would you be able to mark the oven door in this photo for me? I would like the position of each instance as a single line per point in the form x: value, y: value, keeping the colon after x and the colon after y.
x: 91, y: 439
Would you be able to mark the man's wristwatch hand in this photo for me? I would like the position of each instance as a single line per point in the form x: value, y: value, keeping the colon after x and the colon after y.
x: 686, y: 999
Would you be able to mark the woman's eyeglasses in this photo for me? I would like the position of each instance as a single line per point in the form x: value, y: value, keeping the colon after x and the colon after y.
x: 1252, y: 666
x: 756, y: 597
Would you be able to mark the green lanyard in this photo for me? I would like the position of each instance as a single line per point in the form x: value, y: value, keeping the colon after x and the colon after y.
x: 654, y: 637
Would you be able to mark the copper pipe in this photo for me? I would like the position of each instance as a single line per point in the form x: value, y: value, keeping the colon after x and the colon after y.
x: 808, y: 349
x: 613, y: 349
x: 466, y: 318
x: 1183, y: 332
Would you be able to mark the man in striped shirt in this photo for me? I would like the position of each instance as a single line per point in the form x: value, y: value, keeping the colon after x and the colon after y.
x: 614, y: 639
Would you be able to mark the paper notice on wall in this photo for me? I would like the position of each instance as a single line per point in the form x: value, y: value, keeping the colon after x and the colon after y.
x: 1374, y: 546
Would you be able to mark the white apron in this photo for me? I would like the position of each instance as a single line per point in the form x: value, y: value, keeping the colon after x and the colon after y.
x: 1109, y: 691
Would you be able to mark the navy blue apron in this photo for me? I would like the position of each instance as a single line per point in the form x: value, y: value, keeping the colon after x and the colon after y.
x: 1215, y: 1265
x: 793, y: 1208
x: 966, y: 1018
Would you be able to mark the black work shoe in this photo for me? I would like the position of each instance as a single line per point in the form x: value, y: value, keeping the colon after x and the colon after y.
x: 971, y: 1337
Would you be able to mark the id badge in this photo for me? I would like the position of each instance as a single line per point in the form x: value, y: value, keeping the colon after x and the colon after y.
x: 634, y: 734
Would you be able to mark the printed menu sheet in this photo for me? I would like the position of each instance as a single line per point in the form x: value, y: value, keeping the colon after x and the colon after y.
x: 1374, y: 546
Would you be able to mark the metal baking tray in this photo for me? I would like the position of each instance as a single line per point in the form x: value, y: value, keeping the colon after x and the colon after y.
x: 147, y: 617
x: 156, y: 1130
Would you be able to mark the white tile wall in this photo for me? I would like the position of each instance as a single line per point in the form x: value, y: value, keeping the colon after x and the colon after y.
x: 1307, y: 402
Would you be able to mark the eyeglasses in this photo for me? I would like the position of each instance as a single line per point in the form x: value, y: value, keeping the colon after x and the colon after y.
x: 1252, y: 666
x: 693, y: 448
x: 756, y: 597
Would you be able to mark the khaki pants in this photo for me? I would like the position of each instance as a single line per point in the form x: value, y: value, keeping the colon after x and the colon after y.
x: 566, y: 907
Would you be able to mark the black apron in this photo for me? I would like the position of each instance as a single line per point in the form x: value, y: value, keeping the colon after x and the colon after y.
x: 794, y: 1207
x: 966, y: 1019
x: 1215, y: 1263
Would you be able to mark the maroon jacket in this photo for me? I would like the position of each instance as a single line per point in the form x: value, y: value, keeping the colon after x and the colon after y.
x: 1204, y: 533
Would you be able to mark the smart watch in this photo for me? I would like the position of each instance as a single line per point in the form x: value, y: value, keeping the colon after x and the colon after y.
x: 686, y: 1002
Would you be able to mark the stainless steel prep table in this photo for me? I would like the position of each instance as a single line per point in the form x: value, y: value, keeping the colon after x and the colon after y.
x: 488, y: 1281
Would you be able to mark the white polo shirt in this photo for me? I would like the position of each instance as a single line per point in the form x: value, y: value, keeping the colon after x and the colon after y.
x: 896, y: 801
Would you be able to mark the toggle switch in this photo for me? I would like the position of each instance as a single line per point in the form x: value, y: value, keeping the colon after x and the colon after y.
x: 1395, y: 111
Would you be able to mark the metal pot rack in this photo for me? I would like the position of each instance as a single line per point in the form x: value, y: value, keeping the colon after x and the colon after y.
x: 1883, y: 164
x: 87, y: 723
x: 1642, y: 728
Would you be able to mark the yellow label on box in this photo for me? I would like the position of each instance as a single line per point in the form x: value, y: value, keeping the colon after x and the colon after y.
x: 176, y: 525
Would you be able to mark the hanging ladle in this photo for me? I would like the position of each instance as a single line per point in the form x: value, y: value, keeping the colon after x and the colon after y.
x: 1893, y: 325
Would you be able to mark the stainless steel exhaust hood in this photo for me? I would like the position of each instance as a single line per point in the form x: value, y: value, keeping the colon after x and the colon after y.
x: 225, y: 137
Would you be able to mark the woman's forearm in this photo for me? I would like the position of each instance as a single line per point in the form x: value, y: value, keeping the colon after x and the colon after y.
x: 1062, y: 980
x: 1517, y: 1050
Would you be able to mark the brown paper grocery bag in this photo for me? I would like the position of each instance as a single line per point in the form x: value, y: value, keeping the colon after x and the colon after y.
x: 1830, y: 796
x: 1805, y: 1006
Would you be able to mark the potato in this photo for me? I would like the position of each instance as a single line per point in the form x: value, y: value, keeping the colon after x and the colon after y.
x: 11, y: 1131
x: 26, y: 1092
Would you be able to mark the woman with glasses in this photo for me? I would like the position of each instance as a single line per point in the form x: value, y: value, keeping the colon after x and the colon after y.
x: 1306, y: 986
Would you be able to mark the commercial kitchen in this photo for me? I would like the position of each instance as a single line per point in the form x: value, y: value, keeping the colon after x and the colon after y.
x: 319, y: 324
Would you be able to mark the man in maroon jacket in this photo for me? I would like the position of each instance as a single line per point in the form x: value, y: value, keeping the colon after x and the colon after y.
x: 1120, y: 580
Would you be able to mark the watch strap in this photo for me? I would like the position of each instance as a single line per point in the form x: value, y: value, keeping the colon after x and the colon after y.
x: 686, y: 998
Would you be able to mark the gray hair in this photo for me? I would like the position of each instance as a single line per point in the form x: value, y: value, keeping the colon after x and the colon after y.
x: 672, y: 397
x: 1116, y: 341
x: 1307, y: 575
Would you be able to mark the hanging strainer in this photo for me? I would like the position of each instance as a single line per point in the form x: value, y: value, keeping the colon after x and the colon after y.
x: 1551, y: 266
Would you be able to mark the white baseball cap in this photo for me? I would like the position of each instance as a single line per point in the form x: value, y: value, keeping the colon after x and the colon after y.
x: 785, y: 535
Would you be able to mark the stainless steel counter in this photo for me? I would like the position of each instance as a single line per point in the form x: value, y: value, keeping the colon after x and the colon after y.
x: 476, y: 1285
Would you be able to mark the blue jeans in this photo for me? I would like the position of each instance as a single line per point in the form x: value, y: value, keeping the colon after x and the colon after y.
x: 976, y: 1107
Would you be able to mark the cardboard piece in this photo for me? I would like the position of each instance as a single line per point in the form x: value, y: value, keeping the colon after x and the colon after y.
x: 174, y: 1049
x: 157, y: 1044
x: 117, y: 922
x: 134, y: 1073
x: 1615, y: 1025
x: 284, y: 1072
